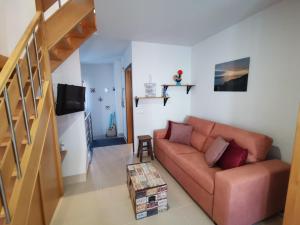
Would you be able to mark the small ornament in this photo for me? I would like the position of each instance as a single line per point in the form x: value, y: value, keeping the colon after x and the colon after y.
x: 178, y: 77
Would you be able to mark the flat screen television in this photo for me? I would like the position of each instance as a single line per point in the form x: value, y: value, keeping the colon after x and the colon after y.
x: 70, y: 99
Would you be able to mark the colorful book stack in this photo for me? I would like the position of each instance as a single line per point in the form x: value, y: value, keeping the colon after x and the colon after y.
x: 147, y: 190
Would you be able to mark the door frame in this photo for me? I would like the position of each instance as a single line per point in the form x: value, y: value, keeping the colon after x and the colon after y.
x: 129, y: 105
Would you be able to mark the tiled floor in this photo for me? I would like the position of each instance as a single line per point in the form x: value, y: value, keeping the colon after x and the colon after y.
x: 104, y: 198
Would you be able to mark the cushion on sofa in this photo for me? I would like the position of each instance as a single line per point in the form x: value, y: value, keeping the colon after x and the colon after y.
x: 196, y: 167
x: 258, y: 145
x: 215, y: 151
x: 202, y: 126
x: 168, y: 134
x: 234, y: 156
x: 198, y: 140
x: 181, y: 133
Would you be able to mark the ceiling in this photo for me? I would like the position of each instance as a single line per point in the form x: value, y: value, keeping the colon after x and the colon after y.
x: 179, y: 22
x: 102, y: 50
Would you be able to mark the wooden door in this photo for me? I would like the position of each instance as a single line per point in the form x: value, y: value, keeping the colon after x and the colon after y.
x: 129, y: 104
x: 292, y: 208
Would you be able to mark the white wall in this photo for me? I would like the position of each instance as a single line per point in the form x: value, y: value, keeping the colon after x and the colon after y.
x: 99, y: 76
x: 71, y: 127
x: 15, y: 16
x: 162, y: 62
x: 271, y: 39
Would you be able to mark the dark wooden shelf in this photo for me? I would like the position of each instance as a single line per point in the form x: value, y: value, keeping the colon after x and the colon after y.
x: 188, y: 86
x: 161, y: 97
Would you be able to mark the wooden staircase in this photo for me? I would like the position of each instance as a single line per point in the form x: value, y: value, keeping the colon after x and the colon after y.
x: 30, y: 162
x: 3, y: 60
x: 66, y: 31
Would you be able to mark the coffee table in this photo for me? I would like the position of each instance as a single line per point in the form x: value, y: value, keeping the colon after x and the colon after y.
x: 147, y: 190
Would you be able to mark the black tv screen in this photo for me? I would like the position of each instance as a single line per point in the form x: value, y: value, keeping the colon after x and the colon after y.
x: 70, y: 99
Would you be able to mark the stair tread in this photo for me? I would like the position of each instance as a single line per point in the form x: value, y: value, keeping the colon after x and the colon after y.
x: 63, y: 21
x: 5, y: 142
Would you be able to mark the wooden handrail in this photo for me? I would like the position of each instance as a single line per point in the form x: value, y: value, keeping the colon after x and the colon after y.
x: 16, y: 54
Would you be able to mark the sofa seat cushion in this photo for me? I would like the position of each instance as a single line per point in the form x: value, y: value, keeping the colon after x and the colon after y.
x: 195, y: 166
x: 171, y: 148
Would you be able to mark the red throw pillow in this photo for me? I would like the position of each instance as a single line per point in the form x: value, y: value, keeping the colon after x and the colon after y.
x: 168, y: 134
x: 234, y: 156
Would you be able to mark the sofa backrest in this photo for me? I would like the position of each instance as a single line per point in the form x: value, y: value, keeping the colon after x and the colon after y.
x: 205, y: 131
x: 201, y: 130
x: 258, y: 145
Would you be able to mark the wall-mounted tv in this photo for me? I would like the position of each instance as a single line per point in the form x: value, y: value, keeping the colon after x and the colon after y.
x: 70, y: 99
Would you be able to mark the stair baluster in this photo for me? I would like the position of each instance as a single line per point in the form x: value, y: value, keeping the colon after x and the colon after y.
x: 4, y: 201
x: 13, y: 133
x: 25, y: 113
x: 31, y: 81
x: 38, y: 63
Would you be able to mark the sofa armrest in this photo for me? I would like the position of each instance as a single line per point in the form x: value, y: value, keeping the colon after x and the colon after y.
x: 159, y: 134
x: 248, y: 194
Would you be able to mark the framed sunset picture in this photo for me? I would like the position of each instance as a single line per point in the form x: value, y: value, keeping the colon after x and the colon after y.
x: 232, y: 76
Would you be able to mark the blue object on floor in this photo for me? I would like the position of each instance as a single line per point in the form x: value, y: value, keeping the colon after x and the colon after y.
x: 108, y: 142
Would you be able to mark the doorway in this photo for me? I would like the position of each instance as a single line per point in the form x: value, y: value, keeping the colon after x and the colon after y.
x: 129, y: 104
x: 103, y: 102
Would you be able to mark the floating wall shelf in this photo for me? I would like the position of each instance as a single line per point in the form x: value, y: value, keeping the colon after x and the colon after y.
x: 188, y: 86
x: 162, y: 97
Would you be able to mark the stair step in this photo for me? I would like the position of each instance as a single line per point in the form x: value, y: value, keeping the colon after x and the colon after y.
x: 59, y: 53
x: 78, y: 31
x: 64, y: 44
x: 62, y: 21
x: 5, y: 142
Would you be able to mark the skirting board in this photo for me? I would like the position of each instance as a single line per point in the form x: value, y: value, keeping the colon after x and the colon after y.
x: 75, y: 179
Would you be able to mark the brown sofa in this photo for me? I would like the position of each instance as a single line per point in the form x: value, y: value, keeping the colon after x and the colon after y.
x: 239, y: 196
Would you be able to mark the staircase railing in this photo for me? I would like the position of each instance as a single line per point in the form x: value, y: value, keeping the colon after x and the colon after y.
x: 21, y: 88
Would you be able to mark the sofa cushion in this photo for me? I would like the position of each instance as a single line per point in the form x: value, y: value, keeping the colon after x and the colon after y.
x: 258, y: 145
x: 181, y: 133
x: 202, y: 126
x: 195, y: 166
x: 215, y: 151
x: 234, y: 156
x: 171, y: 148
x: 169, y: 128
x: 198, y: 140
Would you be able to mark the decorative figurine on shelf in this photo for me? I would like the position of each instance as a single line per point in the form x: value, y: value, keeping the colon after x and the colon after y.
x: 177, y: 77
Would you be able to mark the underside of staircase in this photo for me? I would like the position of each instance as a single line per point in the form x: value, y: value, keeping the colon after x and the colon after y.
x: 69, y: 28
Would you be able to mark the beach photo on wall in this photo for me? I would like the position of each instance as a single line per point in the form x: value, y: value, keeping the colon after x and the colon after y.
x: 232, y: 76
